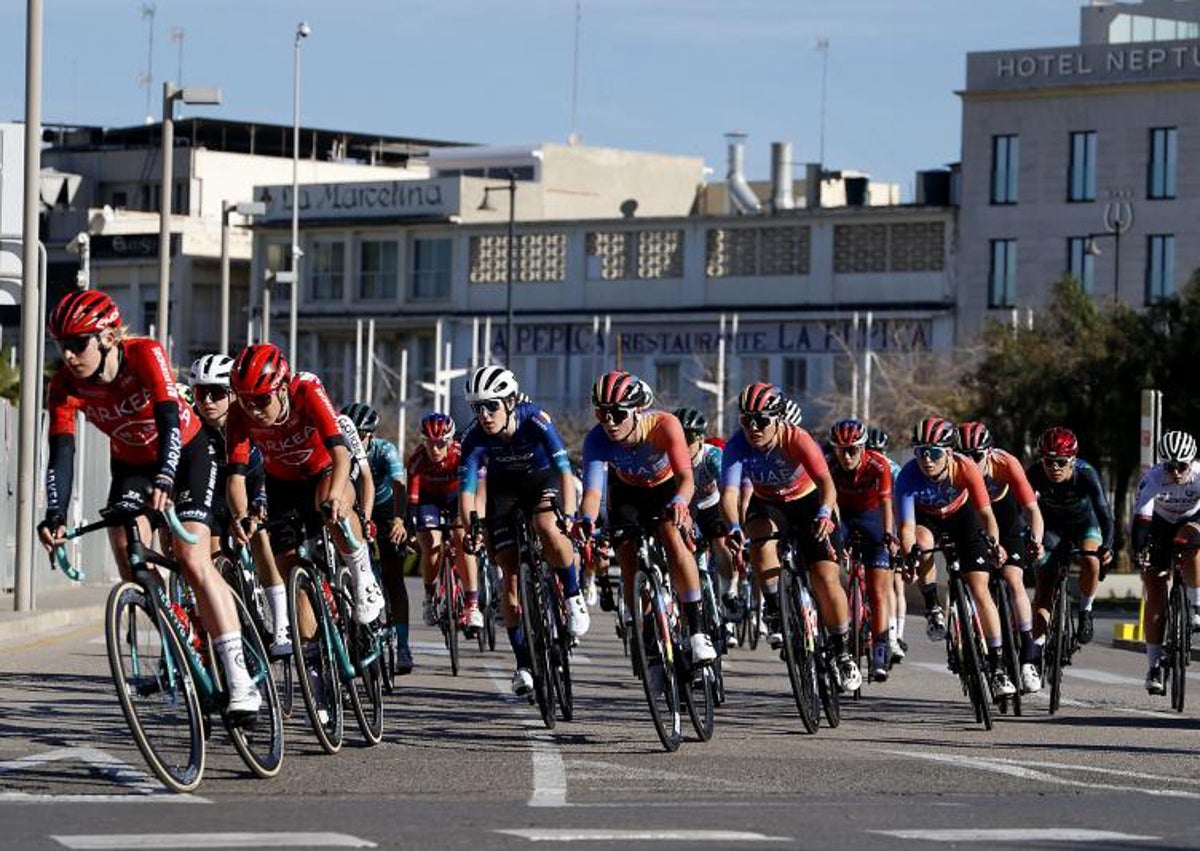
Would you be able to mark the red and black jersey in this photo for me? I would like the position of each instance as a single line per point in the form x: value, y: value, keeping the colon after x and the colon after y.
x: 430, y: 480
x: 295, y: 448
x: 866, y: 486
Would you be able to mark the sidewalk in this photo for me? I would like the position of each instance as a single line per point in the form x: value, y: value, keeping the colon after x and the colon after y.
x: 55, y: 608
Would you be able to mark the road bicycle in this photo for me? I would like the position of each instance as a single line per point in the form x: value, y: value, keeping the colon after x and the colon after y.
x: 168, y: 679
x: 489, y: 600
x: 714, y: 619
x: 859, y: 601
x: 1061, y: 641
x: 449, y: 600
x: 1177, y: 635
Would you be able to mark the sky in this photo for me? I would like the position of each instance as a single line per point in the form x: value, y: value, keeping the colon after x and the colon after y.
x: 669, y: 76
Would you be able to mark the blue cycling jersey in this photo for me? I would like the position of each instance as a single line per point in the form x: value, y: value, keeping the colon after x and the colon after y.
x: 384, y: 459
x: 535, y: 446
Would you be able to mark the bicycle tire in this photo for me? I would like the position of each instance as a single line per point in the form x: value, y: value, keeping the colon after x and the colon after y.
x: 536, y: 640
x: 318, y: 678
x: 1179, y: 628
x: 860, y: 623
x: 698, y: 697
x: 827, y: 682
x: 665, y: 711
x: 1010, y: 655
x: 365, y: 689
x: 180, y: 769
x: 554, y: 618
x: 799, y: 652
x: 484, y: 602
x: 1056, y: 645
x: 450, y: 609
x: 742, y: 627
x: 260, y: 746
x: 972, y: 663
x: 754, y: 614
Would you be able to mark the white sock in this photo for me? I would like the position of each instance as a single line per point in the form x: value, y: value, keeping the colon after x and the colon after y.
x: 900, y: 629
x: 1154, y: 654
x: 1085, y: 603
x: 233, y: 662
x: 1193, y: 595
x: 277, y: 600
x: 892, y: 630
x: 359, y: 562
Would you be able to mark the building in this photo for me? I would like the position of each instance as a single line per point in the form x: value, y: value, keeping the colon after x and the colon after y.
x: 1081, y: 160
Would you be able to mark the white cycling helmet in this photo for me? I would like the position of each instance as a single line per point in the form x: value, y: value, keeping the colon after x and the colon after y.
x: 792, y: 415
x: 647, y: 395
x: 212, y: 369
x: 491, y: 382
x: 1177, y: 447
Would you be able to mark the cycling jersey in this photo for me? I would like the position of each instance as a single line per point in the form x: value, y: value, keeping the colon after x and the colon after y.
x: 295, y: 448
x: 706, y: 472
x: 1159, y: 496
x: 384, y: 460
x: 140, y: 410
x: 1002, y: 472
x: 353, y: 441
x: 657, y: 451
x: 1078, y: 502
x: 535, y: 447
x: 782, y: 474
x: 938, y: 498
x: 866, y: 486
x: 433, y: 481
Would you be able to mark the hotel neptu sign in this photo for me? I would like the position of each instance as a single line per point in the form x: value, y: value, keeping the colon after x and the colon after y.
x: 389, y: 199
x: 1093, y: 64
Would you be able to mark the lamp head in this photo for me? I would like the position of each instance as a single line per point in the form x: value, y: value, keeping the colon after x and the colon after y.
x: 486, y: 204
x: 303, y: 30
x: 1091, y: 248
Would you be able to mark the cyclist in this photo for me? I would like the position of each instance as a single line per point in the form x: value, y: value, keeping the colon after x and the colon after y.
x: 794, y: 495
x: 387, y: 515
x: 308, y: 466
x: 527, y: 469
x: 433, y: 471
x: 653, y: 484
x: 941, y: 492
x: 863, y: 479
x: 1168, y: 513
x: 1075, y: 512
x: 1017, y: 515
x: 122, y: 384
x: 878, y: 440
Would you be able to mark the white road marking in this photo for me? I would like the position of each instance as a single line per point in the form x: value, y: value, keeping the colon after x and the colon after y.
x: 660, y: 835
x: 429, y: 648
x: 1137, y: 775
x: 99, y: 842
x: 549, y: 774
x: 102, y: 762
x: 160, y: 797
x: 1035, y: 834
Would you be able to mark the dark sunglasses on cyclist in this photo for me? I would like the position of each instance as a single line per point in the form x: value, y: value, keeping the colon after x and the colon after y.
x: 849, y: 451
x: 931, y: 453
x: 1178, y: 467
x: 438, y: 444
x: 492, y: 406
x: 1058, y: 463
x: 210, y: 391
x: 76, y: 345
x: 257, y: 401
x: 614, y: 414
x: 757, y: 421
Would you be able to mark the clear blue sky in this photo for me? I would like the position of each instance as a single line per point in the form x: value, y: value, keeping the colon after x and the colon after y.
x: 657, y: 75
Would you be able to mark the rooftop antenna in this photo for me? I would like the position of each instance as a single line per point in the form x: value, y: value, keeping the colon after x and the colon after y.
x: 176, y: 37
x: 574, y: 139
x: 823, y: 49
x: 147, y: 79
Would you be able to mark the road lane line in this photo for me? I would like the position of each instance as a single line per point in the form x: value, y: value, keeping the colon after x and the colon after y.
x: 101, y: 842
x: 549, y: 773
x: 652, y: 835
x: 1037, y: 835
x: 102, y: 762
x: 163, y: 797
x: 1135, y: 775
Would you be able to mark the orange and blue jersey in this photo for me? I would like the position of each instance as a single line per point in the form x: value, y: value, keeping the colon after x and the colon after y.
x: 786, y: 472
x: 1004, y: 473
x: 658, y: 452
x: 938, y: 498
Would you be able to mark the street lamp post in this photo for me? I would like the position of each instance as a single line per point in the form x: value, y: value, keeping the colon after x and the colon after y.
x: 511, y: 189
x: 201, y: 96
x: 303, y: 31
x: 1118, y: 218
x: 243, y: 208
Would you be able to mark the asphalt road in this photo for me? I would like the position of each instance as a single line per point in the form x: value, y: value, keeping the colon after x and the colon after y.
x: 465, y: 765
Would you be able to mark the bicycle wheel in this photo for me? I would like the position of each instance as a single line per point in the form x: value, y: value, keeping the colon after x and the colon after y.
x: 484, y: 602
x: 1009, y: 655
x: 537, y: 640
x: 742, y: 626
x: 365, y: 689
x: 320, y: 685
x: 860, y: 623
x: 1056, y: 645
x: 754, y: 615
x: 1179, y: 628
x: 560, y: 650
x: 622, y: 619
x: 155, y: 688
x: 260, y: 744
x: 654, y: 654
x: 698, y: 695
x: 799, y: 649
x: 828, y: 682
x: 451, y: 609
x: 972, y: 663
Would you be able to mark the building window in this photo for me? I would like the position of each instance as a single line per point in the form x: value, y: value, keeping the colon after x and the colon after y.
x: 1162, y: 163
x: 327, y: 269
x: 378, y: 268
x: 635, y: 255
x: 1081, y: 177
x: 1160, y: 268
x: 1081, y: 264
x: 795, y: 377
x: 749, y: 252
x: 539, y: 257
x: 1006, y: 165
x: 430, y: 277
x: 666, y: 381
x: 1002, y: 281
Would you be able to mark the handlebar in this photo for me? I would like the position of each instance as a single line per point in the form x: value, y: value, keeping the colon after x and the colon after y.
x: 62, y: 561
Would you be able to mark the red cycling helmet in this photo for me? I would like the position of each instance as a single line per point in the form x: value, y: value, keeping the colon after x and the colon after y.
x: 934, y: 431
x: 619, y: 389
x: 848, y: 432
x: 437, y: 426
x: 761, y: 398
x: 1058, y: 442
x: 83, y: 312
x: 259, y: 369
x: 974, y: 437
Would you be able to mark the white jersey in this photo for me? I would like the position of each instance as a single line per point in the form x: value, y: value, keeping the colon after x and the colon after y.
x: 353, y: 441
x: 1159, y: 495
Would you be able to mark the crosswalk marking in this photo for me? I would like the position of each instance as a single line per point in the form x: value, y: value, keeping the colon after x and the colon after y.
x: 644, y: 835
x: 1022, y: 834
x: 102, y: 842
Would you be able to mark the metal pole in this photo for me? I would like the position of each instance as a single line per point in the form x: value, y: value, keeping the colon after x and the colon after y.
x: 294, y: 310
x: 474, y: 343
x: 437, y: 365
x: 164, y: 214
x: 370, y: 360
x: 719, y: 419
x: 403, y: 423
x: 607, y: 337
x: 853, y: 366
x: 266, y: 316
x: 446, y: 361
x: 866, y: 415
x: 487, y: 341
x: 31, y: 315
x: 85, y: 264
x: 509, y: 348
x: 226, y: 207
x: 1117, y: 266
x: 358, y: 361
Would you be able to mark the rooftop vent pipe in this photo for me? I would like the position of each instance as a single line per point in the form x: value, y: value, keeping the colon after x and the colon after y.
x: 741, y: 197
x: 781, y: 176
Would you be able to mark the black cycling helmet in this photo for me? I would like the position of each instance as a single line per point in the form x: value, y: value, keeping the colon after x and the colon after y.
x: 364, y: 417
x: 694, y: 423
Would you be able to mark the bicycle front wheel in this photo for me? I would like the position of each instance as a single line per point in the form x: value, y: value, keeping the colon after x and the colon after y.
x: 537, y: 639
x: 261, y: 744
x: 860, y: 622
x: 1009, y: 656
x: 699, y: 694
x: 1056, y: 645
x: 972, y: 661
x: 155, y: 688
x: 560, y: 653
x: 365, y: 689
x: 317, y: 675
x: 654, y: 654
x: 799, y: 651
x: 1179, y: 626
x: 452, y: 609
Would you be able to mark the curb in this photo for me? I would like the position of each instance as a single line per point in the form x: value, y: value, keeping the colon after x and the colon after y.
x: 31, y: 624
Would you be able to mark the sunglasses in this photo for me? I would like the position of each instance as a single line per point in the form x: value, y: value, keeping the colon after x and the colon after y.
x: 757, y: 421
x: 849, y: 451
x: 930, y: 453
x: 77, y: 345
x: 1058, y: 463
x: 257, y: 401
x: 612, y: 413
x: 1178, y: 467
x: 491, y: 406
x: 211, y: 392
x: 439, y: 444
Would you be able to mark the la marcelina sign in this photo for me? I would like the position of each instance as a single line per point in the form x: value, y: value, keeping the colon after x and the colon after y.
x: 1088, y: 64
x: 391, y: 199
